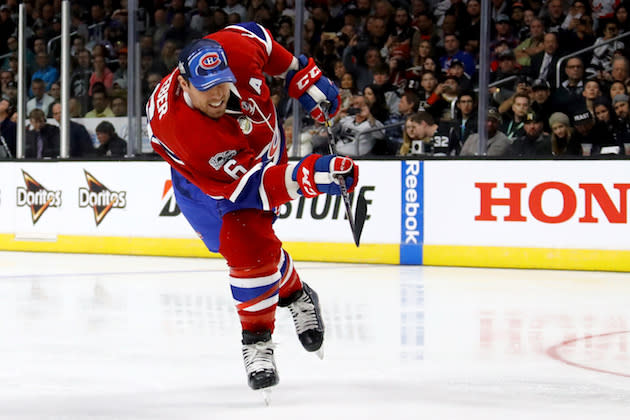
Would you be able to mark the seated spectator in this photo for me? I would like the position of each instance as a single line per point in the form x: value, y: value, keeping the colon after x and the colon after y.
x: 570, y: 91
x: 8, y: 130
x: 55, y: 90
x: 375, y: 98
x: 413, y: 135
x: 578, y: 9
x: 110, y: 144
x: 80, y: 140
x: 10, y: 92
x: 408, y: 105
x: 119, y: 106
x: 497, y: 144
x: 5, y: 77
x: 41, y: 100
x: 437, y: 137
x: 535, y: 142
x: 503, y: 33
x: 179, y: 32
x: 80, y: 78
x: 452, y: 51
x: 563, y: 142
x: 470, y: 30
x: 591, y: 92
x: 503, y: 95
x: 351, y: 137
x: 121, y: 71
x: 42, y: 140
x: 75, y: 108
x: 362, y: 70
x: 601, y: 63
x: 100, y: 103
x: 620, y: 70
x: 582, y: 36
x: 543, y: 64
x: 456, y: 71
x: 119, y: 88
x: 431, y: 99
x: 167, y: 60
x: 506, y: 66
x: 101, y: 74
x: 587, y: 133
x: 617, y: 88
x: 532, y: 45
x: 45, y: 71
x: 465, y: 123
x: 382, y: 82
x: 347, y: 89
x: 541, y: 102
x: 514, y: 122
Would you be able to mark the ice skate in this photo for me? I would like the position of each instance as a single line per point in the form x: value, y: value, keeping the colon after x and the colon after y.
x: 259, y: 361
x: 307, y: 317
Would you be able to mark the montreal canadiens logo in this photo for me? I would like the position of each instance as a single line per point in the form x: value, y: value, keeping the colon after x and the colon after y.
x: 210, y: 61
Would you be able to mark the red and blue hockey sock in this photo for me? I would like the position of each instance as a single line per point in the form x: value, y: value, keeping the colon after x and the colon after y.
x: 256, y: 299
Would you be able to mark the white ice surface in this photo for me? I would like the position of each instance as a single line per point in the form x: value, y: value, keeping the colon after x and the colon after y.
x: 88, y: 337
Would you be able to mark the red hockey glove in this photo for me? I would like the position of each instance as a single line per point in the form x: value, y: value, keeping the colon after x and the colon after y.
x: 311, y: 88
x: 317, y: 174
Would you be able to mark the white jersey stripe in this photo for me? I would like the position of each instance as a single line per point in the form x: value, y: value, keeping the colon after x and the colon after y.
x: 260, y: 305
x: 249, y: 283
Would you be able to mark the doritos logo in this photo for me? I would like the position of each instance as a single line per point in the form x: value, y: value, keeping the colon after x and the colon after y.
x: 37, y: 197
x: 169, y: 207
x: 100, y: 198
x: 210, y: 61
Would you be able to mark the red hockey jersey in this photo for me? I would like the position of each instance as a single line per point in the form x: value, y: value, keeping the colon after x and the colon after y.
x: 240, y: 157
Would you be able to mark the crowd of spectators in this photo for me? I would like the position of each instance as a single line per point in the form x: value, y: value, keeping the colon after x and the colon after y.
x: 406, y: 69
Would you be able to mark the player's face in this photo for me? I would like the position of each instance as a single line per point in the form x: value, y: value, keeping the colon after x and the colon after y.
x: 212, y: 102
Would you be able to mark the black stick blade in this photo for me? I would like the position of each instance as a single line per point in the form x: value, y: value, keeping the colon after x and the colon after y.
x: 359, y: 219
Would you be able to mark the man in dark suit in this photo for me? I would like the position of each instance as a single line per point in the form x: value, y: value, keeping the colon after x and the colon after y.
x: 80, y: 140
x: 543, y: 64
x: 42, y: 140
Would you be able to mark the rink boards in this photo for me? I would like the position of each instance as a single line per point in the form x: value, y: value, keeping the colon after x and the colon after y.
x: 529, y: 214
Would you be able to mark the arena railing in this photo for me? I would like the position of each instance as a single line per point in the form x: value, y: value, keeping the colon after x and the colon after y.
x: 582, y: 51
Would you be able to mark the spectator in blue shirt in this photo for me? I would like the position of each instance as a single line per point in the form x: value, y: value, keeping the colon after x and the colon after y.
x: 451, y: 46
x: 44, y: 71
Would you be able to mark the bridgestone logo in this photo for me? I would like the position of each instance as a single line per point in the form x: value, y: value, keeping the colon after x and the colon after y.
x: 100, y: 198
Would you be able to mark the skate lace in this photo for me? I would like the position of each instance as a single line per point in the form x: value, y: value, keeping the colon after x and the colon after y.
x: 303, y: 313
x: 258, y: 356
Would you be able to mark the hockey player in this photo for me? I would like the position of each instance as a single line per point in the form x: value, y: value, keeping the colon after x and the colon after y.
x: 213, y: 121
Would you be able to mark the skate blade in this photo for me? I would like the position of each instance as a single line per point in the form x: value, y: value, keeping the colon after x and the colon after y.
x: 266, y: 394
x: 320, y: 353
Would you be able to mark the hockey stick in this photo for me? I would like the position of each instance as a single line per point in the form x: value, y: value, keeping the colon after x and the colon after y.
x: 358, y: 220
